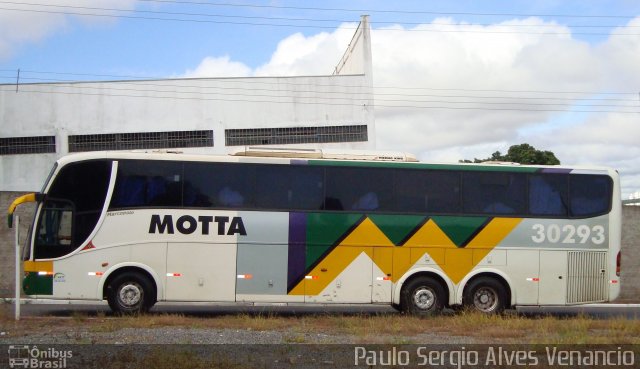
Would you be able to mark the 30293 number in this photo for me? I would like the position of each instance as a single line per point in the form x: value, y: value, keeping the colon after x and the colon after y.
x: 568, y: 234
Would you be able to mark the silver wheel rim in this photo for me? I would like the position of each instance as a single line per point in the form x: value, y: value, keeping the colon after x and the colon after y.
x: 485, y: 299
x: 130, y: 294
x: 424, y: 298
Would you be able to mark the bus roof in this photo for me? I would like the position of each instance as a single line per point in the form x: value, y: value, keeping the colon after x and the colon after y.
x: 326, y: 154
x: 337, y: 158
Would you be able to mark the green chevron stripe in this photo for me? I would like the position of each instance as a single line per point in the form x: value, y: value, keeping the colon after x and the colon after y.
x: 325, y: 231
x: 459, y: 229
x: 396, y: 227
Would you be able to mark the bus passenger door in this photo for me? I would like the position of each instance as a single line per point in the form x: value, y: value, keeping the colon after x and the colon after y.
x: 201, y: 271
x: 381, y: 278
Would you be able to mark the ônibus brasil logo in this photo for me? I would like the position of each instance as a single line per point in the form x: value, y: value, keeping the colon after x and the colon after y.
x: 25, y: 356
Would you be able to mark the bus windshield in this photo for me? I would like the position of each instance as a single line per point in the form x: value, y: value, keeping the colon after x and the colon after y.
x: 71, y: 208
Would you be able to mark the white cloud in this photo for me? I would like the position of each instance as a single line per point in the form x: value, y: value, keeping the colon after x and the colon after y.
x: 467, y: 91
x: 621, y: 53
x: 313, y: 55
x: 295, y: 55
x: 484, y: 64
x: 604, y: 139
x: 32, y: 23
x: 219, y: 67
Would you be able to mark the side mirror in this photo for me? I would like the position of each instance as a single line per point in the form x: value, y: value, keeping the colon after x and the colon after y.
x: 30, y: 197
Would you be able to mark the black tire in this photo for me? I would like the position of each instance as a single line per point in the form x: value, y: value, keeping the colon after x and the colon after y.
x: 486, y: 295
x: 131, y: 293
x: 422, y: 296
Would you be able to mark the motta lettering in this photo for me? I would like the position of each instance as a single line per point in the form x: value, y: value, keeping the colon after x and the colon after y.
x: 206, y: 224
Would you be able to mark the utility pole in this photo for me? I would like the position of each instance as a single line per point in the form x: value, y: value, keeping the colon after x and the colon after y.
x: 17, y: 271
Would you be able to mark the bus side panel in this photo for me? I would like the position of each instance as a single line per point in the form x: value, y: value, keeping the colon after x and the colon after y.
x: 201, y: 271
x: 263, y: 258
x: 78, y: 276
x: 382, y: 275
x: 556, y: 241
x: 523, y: 267
x: 334, y: 282
x: 553, y: 277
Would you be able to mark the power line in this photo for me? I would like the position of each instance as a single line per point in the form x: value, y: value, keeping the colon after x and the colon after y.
x: 173, y: 13
x: 194, y: 20
x: 395, y: 11
x: 289, y: 18
x: 263, y: 80
x: 29, y: 88
x: 377, y: 95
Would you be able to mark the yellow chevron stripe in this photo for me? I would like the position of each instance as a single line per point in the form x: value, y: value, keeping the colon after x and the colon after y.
x: 429, y: 235
x: 429, y: 239
x: 360, y: 240
x: 367, y: 234
x: 459, y: 262
x: 493, y: 233
x: 329, y: 268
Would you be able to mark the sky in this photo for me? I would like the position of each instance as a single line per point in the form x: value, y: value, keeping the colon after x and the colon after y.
x: 452, y: 79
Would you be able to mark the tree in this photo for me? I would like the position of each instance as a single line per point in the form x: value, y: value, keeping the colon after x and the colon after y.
x: 523, y: 154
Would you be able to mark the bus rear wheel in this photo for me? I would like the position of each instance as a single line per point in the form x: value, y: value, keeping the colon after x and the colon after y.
x: 486, y: 295
x: 422, y: 296
x: 130, y: 293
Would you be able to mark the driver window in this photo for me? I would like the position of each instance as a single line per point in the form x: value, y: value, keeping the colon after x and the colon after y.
x: 54, y: 233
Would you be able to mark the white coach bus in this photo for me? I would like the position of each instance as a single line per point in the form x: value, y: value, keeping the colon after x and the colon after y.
x: 137, y: 228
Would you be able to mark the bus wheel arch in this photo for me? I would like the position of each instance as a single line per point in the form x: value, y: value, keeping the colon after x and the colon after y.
x: 424, y: 293
x: 130, y: 290
x: 487, y: 293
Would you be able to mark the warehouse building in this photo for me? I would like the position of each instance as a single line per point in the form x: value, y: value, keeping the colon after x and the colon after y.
x: 44, y: 121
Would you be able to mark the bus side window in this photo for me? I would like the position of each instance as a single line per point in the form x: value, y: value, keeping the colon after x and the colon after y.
x: 589, y: 194
x: 229, y: 198
x: 494, y: 193
x: 129, y: 192
x: 218, y: 185
x: 55, y: 228
x: 147, y: 184
x: 436, y: 192
x: 368, y: 201
x: 359, y: 189
x: 548, y: 194
x: 289, y: 187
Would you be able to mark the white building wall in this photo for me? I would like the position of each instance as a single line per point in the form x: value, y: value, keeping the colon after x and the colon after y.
x: 218, y: 104
x: 357, y: 58
x: 182, y: 104
x: 62, y: 109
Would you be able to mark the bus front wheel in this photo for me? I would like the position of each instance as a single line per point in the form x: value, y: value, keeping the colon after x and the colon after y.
x: 130, y: 293
x: 422, y: 296
x: 486, y: 295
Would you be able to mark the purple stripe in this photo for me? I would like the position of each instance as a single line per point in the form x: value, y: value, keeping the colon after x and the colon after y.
x: 297, y: 243
x: 556, y: 170
x: 299, y: 162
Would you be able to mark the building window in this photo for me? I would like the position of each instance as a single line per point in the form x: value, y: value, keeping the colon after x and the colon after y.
x: 140, y: 140
x: 27, y: 145
x: 295, y: 135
